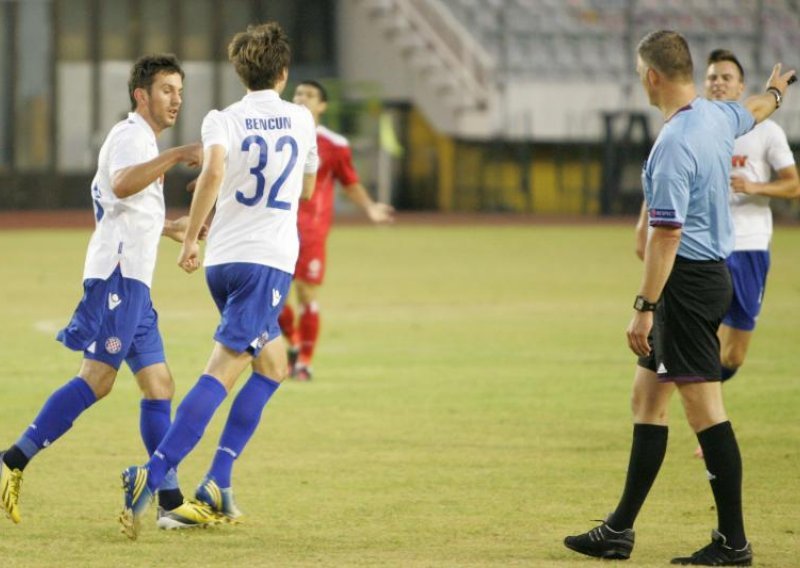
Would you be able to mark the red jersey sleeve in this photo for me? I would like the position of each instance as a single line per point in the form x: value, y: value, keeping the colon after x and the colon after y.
x: 344, y: 171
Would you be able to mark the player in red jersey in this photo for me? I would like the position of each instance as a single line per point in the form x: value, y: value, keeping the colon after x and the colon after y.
x: 314, y: 222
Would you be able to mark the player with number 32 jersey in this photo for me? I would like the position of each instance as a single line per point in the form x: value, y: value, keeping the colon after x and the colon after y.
x: 265, y: 138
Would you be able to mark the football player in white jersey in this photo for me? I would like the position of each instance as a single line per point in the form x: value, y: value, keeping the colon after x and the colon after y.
x: 115, y: 320
x: 260, y: 158
x: 755, y: 156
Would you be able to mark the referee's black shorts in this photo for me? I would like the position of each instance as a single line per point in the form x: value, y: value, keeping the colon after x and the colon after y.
x: 684, y: 336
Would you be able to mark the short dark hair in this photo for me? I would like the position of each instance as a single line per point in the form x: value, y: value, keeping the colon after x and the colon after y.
x: 323, y: 93
x: 146, y: 68
x: 719, y: 55
x: 260, y: 55
x: 668, y: 53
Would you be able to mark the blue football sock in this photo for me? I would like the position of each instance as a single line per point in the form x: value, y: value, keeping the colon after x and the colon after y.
x: 728, y: 372
x: 56, y: 416
x: 193, y: 415
x: 154, y: 421
x: 242, y: 422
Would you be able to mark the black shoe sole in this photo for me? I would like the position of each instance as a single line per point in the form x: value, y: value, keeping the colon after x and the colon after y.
x: 613, y: 554
x: 688, y: 562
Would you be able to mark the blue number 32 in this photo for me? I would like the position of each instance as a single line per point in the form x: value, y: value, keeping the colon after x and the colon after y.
x: 258, y: 171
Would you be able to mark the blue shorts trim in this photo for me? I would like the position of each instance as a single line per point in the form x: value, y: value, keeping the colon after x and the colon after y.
x: 249, y: 297
x: 748, y: 270
x: 115, y: 322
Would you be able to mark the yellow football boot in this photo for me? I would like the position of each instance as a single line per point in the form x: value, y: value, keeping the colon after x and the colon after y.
x: 10, y: 484
x: 187, y: 515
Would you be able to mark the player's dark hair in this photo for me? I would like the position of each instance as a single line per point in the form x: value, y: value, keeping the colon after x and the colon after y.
x: 719, y: 55
x: 260, y: 55
x: 323, y: 93
x: 668, y: 53
x: 146, y: 68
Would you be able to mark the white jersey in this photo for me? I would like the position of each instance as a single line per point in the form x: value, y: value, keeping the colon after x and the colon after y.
x: 270, y: 144
x: 755, y: 155
x: 127, y: 231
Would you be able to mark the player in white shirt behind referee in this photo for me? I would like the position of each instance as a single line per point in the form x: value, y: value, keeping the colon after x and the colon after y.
x: 260, y: 158
x: 755, y: 156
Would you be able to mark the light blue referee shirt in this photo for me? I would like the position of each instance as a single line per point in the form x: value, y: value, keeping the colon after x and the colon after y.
x: 686, y: 177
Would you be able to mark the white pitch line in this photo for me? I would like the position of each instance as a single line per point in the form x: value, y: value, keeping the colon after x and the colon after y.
x: 48, y: 326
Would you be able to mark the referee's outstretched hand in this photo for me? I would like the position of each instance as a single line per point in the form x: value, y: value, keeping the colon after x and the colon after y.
x: 780, y: 81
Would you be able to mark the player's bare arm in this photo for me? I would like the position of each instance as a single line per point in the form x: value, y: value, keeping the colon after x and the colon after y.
x: 659, y: 257
x: 763, y: 105
x: 205, y: 195
x: 133, y: 179
x: 309, y: 183
x: 376, y: 212
x: 786, y: 186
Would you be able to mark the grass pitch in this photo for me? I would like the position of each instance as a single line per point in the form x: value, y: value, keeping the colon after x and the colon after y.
x: 470, y: 408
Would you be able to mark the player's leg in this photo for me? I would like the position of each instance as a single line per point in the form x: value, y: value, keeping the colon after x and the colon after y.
x: 93, y: 382
x: 248, y: 323
x: 705, y: 412
x: 191, y: 419
x: 157, y: 386
x: 309, y: 327
x: 269, y: 370
x: 748, y: 270
x: 288, y: 322
x: 195, y: 411
x: 62, y: 408
x: 291, y: 335
x: 155, y: 418
x: 309, y: 275
x: 104, y: 334
x: 734, y: 344
x: 147, y: 361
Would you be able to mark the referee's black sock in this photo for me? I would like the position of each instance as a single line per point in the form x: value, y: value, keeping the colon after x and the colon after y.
x: 724, y: 465
x: 647, y: 454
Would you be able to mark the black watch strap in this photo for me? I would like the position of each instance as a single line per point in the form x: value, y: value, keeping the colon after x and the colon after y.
x: 640, y: 304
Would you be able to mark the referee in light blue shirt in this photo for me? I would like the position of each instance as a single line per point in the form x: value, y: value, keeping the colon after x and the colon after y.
x: 685, y: 292
x: 686, y: 177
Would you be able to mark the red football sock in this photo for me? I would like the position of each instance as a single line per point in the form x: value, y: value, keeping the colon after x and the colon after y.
x: 286, y: 321
x: 309, y: 331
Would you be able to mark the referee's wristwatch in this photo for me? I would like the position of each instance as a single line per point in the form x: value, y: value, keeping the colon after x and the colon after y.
x: 640, y: 304
x: 776, y: 92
